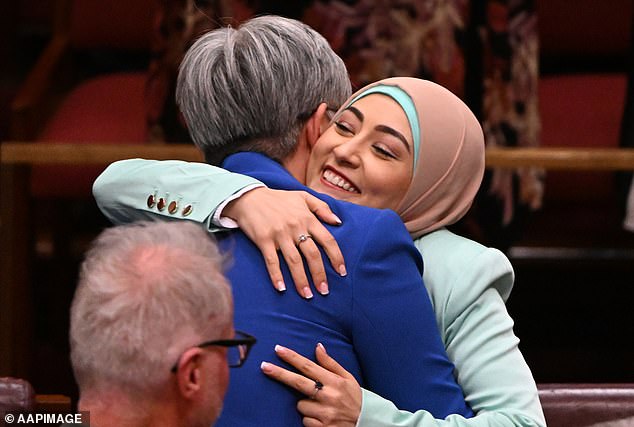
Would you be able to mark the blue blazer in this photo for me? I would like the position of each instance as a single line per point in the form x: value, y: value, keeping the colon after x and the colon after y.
x: 377, y: 321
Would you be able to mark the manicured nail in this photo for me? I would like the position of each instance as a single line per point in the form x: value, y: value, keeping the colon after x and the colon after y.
x: 265, y: 366
x: 320, y: 345
x: 281, y: 287
x: 323, y: 288
x: 280, y: 349
x: 342, y: 270
x: 337, y: 220
x: 307, y: 293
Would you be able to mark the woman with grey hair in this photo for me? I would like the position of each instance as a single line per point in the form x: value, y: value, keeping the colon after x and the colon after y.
x: 219, y: 70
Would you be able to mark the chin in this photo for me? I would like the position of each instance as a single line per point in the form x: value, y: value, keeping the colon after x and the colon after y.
x: 339, y: 195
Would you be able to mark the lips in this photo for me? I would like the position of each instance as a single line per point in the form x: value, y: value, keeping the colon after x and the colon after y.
x: 338, y: 180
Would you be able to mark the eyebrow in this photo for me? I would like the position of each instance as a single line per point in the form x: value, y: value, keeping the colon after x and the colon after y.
x: 394, y: 132
x: 356, y: 112
x: 382, y: 128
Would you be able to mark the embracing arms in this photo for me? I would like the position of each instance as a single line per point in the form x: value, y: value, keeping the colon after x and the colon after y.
x: 122, y: 192
x: 134, y: 189
x: 375, y: 329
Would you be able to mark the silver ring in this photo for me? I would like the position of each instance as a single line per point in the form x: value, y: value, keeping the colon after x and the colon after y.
x: 318, y: 386
x: 302, y: 238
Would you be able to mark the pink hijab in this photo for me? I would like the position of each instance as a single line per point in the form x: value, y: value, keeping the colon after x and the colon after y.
x: 450, y: 164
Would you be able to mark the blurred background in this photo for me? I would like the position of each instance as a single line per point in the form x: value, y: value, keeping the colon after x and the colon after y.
x: 537, y: 73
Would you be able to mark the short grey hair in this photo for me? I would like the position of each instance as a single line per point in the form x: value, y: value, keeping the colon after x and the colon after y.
x: 254, y: 87
x: 147, y: 291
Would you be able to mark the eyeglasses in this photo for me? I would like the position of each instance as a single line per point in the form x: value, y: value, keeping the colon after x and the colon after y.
x: 238, y: 349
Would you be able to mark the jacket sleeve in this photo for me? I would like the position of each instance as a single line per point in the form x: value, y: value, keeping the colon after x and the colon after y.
x: 394, y: 329
x: 135, y: 189
x: 479, y: 338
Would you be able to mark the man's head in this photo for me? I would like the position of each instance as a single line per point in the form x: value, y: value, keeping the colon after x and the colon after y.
x: 148, y: 294
x: 253, y: 88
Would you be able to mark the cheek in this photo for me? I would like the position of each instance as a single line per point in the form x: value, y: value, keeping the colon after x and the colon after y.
x: 319, y: 153
x: 389, y: 185
x: 224, y: 377
x: 317, y: 158
x: 325, y: 143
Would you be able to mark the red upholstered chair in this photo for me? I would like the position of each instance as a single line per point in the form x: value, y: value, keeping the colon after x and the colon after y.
x: 584, y: 49
x: 69, y: 96
x: 87, y: 86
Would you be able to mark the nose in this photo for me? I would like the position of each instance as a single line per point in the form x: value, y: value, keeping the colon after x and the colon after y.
x: 348, y: 153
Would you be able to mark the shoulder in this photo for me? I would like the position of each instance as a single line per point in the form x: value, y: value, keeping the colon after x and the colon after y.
x: 383, y: 224
x: 459, y: 269
x: 369, y: 236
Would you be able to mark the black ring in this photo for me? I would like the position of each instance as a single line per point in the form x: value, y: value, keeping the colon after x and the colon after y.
x: 318, y: 386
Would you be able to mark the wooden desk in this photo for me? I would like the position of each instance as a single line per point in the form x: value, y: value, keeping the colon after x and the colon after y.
x: 17, y: 158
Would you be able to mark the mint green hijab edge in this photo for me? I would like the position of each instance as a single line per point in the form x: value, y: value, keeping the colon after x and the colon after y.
x: 407, y: 104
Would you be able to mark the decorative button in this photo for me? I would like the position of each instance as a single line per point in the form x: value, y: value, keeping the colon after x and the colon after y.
x: 161, y: 204
x: 151, y: 201
x: 187, y: 210
x: 173, y: 207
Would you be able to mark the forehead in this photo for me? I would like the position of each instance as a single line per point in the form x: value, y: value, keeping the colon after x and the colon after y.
x: 380, y: 109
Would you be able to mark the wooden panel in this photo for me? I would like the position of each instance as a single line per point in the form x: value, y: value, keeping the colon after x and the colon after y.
x: 556, y: 158
x: 87, y: 154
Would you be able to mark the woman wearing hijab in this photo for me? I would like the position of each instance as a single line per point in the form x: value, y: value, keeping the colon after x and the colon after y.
x: 412, y: 146
x: 467, y: 282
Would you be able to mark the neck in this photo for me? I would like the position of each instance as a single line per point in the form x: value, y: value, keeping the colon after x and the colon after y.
x: 112, y: 409
x: 297, y: 162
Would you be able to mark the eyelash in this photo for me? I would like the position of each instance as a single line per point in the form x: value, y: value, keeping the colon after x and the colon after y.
x: 380, y: 151
x: 383, y: 152
x: 343, y: 127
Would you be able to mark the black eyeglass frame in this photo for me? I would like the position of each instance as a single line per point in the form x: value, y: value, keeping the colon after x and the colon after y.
x: 245, y: 339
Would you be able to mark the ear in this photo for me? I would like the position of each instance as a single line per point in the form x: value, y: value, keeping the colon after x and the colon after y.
x: 188, y: 374
x: 316, y: 124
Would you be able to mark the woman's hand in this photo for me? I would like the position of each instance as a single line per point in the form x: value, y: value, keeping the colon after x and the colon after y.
x: 334, y: 394
x: 275, y: 219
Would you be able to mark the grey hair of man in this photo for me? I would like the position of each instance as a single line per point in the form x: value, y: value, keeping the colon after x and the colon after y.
x: 147, y: 292
x: 253, y: 88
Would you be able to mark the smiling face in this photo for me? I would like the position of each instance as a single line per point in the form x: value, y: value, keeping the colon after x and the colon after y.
x: 366, y: 155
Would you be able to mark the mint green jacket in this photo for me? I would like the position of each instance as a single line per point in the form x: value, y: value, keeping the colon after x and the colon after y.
x: 467, y: 282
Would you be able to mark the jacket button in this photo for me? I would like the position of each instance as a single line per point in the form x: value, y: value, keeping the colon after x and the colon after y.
x: 172, y: 208
x: 161, y: 204
x: 187, y: 210
x: 151, y: 201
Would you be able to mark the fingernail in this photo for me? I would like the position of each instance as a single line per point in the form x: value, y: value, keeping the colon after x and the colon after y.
x: 337, y: 220
x: 280, y: 349
x: 307, y: 293
x: 323, y: 288
x: 281, y: 287
x: 342, y: 270
x: 320, y: 345
x: 265, y: 366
